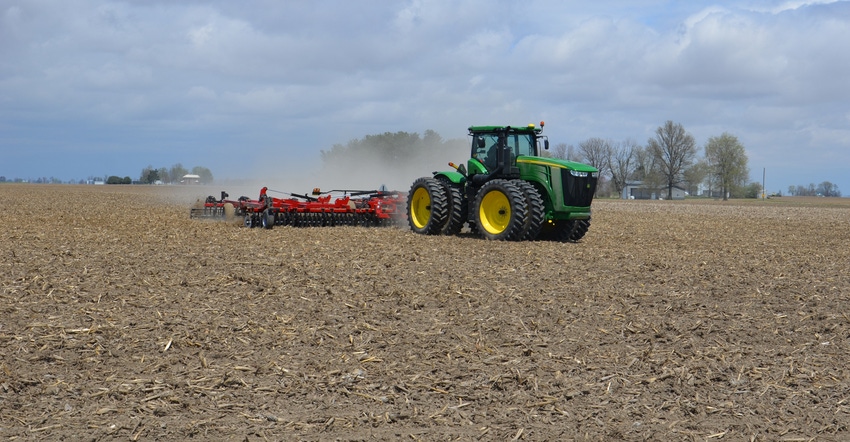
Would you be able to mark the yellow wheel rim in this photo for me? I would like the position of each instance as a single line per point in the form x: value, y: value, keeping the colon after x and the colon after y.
x: 495, y: 212
x: 420, y: 208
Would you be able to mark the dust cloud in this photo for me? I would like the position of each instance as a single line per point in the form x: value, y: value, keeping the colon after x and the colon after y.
x: 284, y: 175
x: 368, y: 172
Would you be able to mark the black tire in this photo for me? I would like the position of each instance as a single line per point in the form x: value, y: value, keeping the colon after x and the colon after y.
x: 267, y: 219
x: 457, y: 212
x: 580, y: 228
x: 427, y: 206
x: 536, y: 211
x: 557, y: 230
x: 500, y: 211
x: 566, y: 230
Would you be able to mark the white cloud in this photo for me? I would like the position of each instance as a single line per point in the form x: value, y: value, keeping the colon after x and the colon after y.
x: 793, y: 5
x: 613, y: 68
x: 202, y: 93
x: 201, y: 35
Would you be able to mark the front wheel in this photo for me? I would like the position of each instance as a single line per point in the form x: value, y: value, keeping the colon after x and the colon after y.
x: 580, y: 228
x: 566, y: 230
x: 500, y: 211
x: 427, y: 206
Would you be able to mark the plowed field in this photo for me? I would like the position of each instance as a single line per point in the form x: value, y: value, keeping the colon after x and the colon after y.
x: 123, y: 319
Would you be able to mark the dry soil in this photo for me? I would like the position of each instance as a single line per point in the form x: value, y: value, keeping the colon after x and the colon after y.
x: 123, y: 319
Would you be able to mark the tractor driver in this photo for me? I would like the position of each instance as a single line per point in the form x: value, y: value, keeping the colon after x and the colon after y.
x: 492, y: 158
x: 488, y: 156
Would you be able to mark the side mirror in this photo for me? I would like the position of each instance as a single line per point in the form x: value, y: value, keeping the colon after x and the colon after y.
x: 546, y: 144
x: 480, y: 143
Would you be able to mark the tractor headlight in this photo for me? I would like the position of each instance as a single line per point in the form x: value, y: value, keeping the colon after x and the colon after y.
x: 578, y: 174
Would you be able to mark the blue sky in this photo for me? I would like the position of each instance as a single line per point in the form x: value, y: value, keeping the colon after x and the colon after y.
x: 257, y: 88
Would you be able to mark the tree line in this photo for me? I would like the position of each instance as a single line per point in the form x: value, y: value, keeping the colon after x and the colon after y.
x: 39, y: 180
x: 149, y: 175
x: 162, y: 175
x: 174, y: 174
x: 825, y: 188
x: 670, y: 159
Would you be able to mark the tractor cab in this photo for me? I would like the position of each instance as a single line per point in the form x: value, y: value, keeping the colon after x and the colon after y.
x: 495, y: 150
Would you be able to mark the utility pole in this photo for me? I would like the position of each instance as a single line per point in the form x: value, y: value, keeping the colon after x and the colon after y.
x: 763, y: 175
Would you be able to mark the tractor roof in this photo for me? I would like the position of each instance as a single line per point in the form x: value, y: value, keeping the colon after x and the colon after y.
x: 530, y: 128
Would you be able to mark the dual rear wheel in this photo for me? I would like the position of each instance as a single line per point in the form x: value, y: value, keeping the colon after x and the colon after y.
x: 436, y: 206
x: 427, y: 206
x: 509, y: 210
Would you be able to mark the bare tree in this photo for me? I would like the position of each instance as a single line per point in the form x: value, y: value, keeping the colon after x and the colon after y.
x: 164, y: 176
x: 621, y: 163
x: 752, y: 190
x: 674, y: 150
x: 595, y: 151
x: 176, y: 172
x: 727, y: 162
x: 644, y: 164
x: 205, y: 174
x: 565, y: 151
x: 646, y: 169
x: 559, y: 151
x: 696, y: 175
x: 149, y: 175
x: 827, y: 188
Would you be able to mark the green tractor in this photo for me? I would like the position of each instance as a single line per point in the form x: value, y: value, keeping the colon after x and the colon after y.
x: 507, y: 191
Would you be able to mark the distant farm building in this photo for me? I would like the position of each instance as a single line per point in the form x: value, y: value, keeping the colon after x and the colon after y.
x: 190, y: 179
x: 637, y: 191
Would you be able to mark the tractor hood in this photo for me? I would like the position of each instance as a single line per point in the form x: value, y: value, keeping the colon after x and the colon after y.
x: 559, y: 163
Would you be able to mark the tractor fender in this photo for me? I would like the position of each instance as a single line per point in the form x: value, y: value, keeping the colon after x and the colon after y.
x: 454, y: 177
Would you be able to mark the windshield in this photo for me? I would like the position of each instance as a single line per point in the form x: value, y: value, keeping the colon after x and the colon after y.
x: 484, y: 146
x: 521, y: 144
